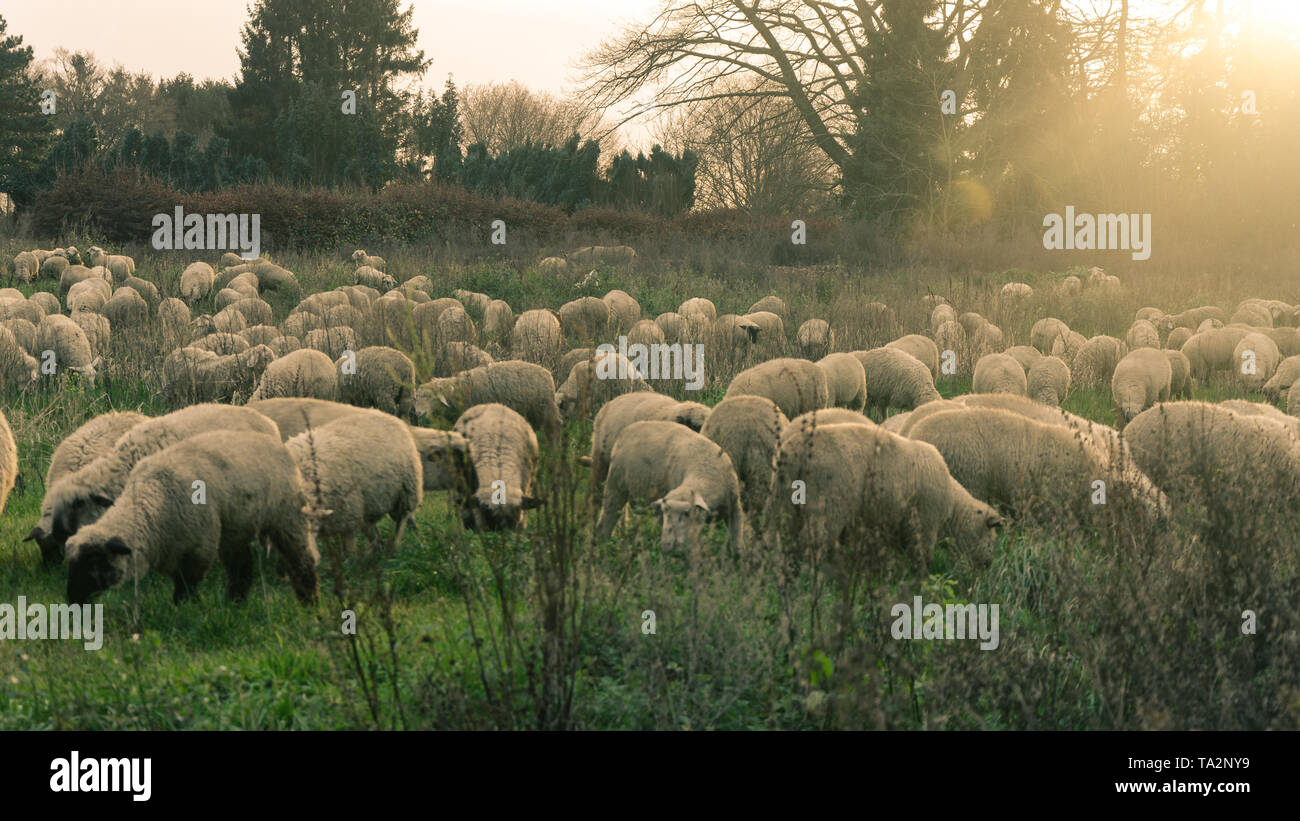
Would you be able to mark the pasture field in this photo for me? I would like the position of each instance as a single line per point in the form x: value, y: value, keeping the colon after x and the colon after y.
x: 1124, y: 627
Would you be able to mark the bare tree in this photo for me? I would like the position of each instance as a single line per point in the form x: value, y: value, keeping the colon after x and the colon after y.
x: 506, y: 115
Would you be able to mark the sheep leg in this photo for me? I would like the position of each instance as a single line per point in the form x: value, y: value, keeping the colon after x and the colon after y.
x: 611, y: 510
x: 186, y: 579
x: 238, y: 560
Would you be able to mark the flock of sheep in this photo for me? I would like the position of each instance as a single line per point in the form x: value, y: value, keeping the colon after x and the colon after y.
x: 285, y: 434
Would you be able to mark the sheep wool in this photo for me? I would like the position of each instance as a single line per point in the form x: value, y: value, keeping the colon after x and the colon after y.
x: 8, y: 461
x: 525, y: 388
x: 378, y: 377
x: 503, y: 451
x: 1141, y: 379
x: 749, y: 429
x: 795, y: 385
x: 999, y: 373
x: 621, y: 411
x: 895, y: 379
x: 1048, y: 381
x: 304, y: 372
x: 846, y: 381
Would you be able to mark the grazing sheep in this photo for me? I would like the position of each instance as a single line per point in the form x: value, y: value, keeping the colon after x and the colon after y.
x: 503, y: 453
x: 921, y: 347
x: 87, y: 295
x: 1071, y: 286
x: 80, y: 497
x: 8, y: 461
x: 24, y: 333
x: 698, y: 305
x: 538, y: 338
x: 1249, y: 314
x: 999, y: 373
x: 525, y: 388
x: 1255, y: 359
x: 749, y: 429
x: 1045, y: 332
x: 1095, y: 361
x: 498, y: 320
x: 17, y: 367
x: 815, y: 339
x: 676, y: 328
x: 146, y: 289
x: 971, y: 322
x: 894, y: 380
x: 1180, y: 382
x: 572, y: 358
x: 222, y: 344
x: 772, y: 305
x: 53, y: 268
x: 454, y: 357
x: 931, y: 301
x: 174, y: 317
x: 26, y: 267
x: 593, y: 382
x: 1026, y: 355
x: 863, y: 483
x: 1177, y: 337
x: 941, y: 314
x: 988, y: 339
x: 78, y: 273
x: 624, y: 311
x: 686, y: 476
x: 255, y: 311
x: 1286, y: 339
x: 771, y: 331
x: 119, y: 265
x: 378, y: 377
x: 950, y: 338
x: 196, y: 282
x: 360, y: 258
x: 253, y: 491
x: 271, y: 277
x: 1284, y: 376
x: 97, y: 328
x: 586, y: 318
x: 1014, y: 293
x: 28, y: 309
x: 455, y: 325
x: 1266, y: 411
x: 1141, y: 379
x: 1040, y: 471
x: 374, y: 278
x: 304, y: 372
x: 645, y: 332
x: 1142, y: 334
x: 191, y: 376
x: 733, y: 333
x: 70, y: 346
x: 1193, y: 318
x: 355, y: 471
x: 45, y: 302
x: 846, y: 381
x: 126, y: 309
x: 795, y: 385
x: 621, y: 411
x: 474, y: 303
x: 553, y: 266
x: 1048, y: 381
x: 333, y: 342
x: 597, y: 254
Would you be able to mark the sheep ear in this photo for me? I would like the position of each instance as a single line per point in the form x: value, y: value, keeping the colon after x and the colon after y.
x: 35, y: 534
x: 117, y: 547
x: 530, y: 502
x: 700, y: 503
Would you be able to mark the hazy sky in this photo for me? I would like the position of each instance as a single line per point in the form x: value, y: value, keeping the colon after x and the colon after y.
x: 477, y: 41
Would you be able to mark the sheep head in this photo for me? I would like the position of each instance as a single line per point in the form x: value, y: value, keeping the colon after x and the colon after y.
x: 94, y: 566
x: 682, y: 516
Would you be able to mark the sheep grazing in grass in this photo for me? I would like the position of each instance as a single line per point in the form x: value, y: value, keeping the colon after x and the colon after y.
x: 498, y: 320
x: 846, y: 381
x: 26, y: 267
x: 356, y: 470
x: 553, y: 266
x: 1177, y: 338
x: 586, y: 319
x: 770, y: 304
x: 1266, y: 411
x: 17, y: 367
x: 921, y: 347
x: 126, y: 309
x: 1015, y: 293
x: 795, y: 385
x: 1095, y: 361
x: 304, y: 372
x: 538, y: 338
x: 374, y: 278
x: 1045, y: 333
x: 251, y: 490
x: 941, y: 314
x: 1284, y: 376
x: 862, y: 484
x: 1141, y: 379
x: 196, y: 282
x: 8, y: 461
x: 1256, y: 358
x: 1212, y: 350
x: 1048, y: 381
x: 1180, y: 381
x: 70, y: 345
x: 1142, y: 334
x: 360, y: 258
x: 895, y: 379
x: 749, y: 429
x: 815, y: 339
x: 621, y: 411
x: 684, y: 475
x: 503, y: 454
x: 378, y: 377
x: 593, y: 382
x: 999, y: 373
x: 598, y: 254
x: 191, y: 376
x: 527, y: 389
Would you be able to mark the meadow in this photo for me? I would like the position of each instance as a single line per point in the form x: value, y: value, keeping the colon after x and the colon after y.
x: 1124, y: 627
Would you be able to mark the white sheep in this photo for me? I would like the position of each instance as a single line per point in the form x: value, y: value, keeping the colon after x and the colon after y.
x: 119, y: 265
x: 1284, y: 376
x: 1255, y: 359
x: 1180, y: 383
x: 378, y: 377
x: 71, y: 347
x: 503, y: 452
x: 1048, y: 381
x: 624, y: 311
x: 191, y: 376
x: 222, y: 344
x: 676, y: 328
x: 8, y: 461
x: 525, y: 388
x: 1045, y: 332
x: 895, y: 379
x: 360, y: 257
x: 17, y: 367
x: 770, y: 304
x: 538, y: 338
x: 749, y: 429
x: 1142, y: 334
x: 126, y: 309
x: 146, y: 289
x: 1095, y: 361
x: 1212, y: 350
x: 846, y: 381
x: 26, y: 267
x: 815, y: 339
x: 251, y: 491
x: 923, y: 348
x: 374, y: 278
x: 593, y: 382
x: 1141, y: 379
x: 196, y: 281
x: 999, y: 373
x: 553, y: 266
x: 586, y: 318
x: 1013, y: 293
x: 795, y: 385
x: 597, y: 254
x: 304, y: 372
x: 498, y: 320
x: 771, y: 331
x: 941, y: 314
x: 684, y: 475
x: 621, y: 411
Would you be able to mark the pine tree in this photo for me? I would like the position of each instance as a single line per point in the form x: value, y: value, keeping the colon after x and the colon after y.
x: 26, y: 134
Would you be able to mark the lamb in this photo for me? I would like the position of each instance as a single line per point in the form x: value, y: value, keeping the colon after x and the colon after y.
x: 795, y: 385
x: 846, y: 381
x: 304, y: 372
x: 999, y: 373
x: 191, y: 376
x: 498, y: 320
x: 862, y: 481
x: 360, y: 258
x: 196, y: 282
x: 1095, y: 362
x: 1141, y: 379
x: 593, y: 382
x: 1180, y: 383
x: 378, y: 377
x: 71, y: 348
x: 749, y: 429
x: 1037, y: 470
x: 1045, y: 332
x: 624, y: 311
x: 503, y: 452
x: 772, y: 305
x: 1048, y: 381
x: 17, y: 367
x: 553, y: 266
x: 621, y: 411
x: 1284, y: 376
x: 921, y: 347
x: 81, y: 497
x: 26, y: 267
x: 895, y: 379
x: 684, y: 475
x: 1142, y: 334
x: 374, y: 278
x: 126, y: 309
x: 523, y: 387
x: 252, y: 491
x: 8, y: 461
x: 815, y: 339
x: 356, y: 470
x: 1256, y: 357
x: 586, y: 318
x: 537, y: 338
